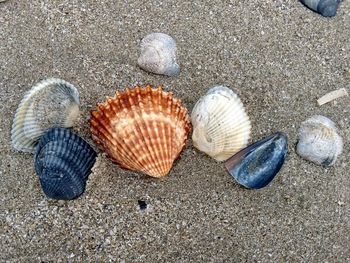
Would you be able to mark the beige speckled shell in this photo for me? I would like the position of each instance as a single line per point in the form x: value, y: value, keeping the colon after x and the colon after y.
x: 319, y: 141
x: 158, y: 54
x: 50, y: 103
x: 141, y: 129
x: 221, y: 126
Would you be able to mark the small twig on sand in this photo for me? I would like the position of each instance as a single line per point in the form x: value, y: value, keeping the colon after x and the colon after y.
x: 332, y: 96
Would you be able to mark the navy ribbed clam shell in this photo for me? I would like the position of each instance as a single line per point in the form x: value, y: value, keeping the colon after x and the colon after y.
x: 63, y: 162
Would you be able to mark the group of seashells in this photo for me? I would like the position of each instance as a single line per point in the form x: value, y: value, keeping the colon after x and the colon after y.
x: 63, y: 160
x: 145, y: 129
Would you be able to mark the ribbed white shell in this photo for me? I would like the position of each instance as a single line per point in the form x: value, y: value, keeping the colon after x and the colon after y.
x: 158, y: 54
x: 50, y: 103
x: 221, y: 126
x: 319, y: 141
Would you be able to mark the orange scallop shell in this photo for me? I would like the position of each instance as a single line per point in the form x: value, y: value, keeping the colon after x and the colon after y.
x: 142, y: 129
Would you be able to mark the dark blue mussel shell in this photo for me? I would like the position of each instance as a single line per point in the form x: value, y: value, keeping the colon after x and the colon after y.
x: 255, y: 166
x: 323, y: 7
x: 63, y: 162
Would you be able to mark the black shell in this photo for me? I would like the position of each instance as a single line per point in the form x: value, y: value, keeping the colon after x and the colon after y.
x: 255, y: 166
x: 63, y: 162
x: 323, y: 7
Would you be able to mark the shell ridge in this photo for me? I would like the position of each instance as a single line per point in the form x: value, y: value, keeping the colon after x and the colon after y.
x: 147, y: 133
x: 165, y: 131
x: 72, y: 148
x: 161, y: 161
x: 221, y: 125
x: 29, y: 108
x: 148, y: 158
x: 153, y: 132
x: 136, y: 114
x: 149, y: 121
x: 126, y: 150
x: 139, y: 161
x: 108, y: 142
x: 169, y: 106
x: 242, y: 127
x: 187, y: 129
x: 146, y: 137
x: 104, y: 128
x: 62, y: 175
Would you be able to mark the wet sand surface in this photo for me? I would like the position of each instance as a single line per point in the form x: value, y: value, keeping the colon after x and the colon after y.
x: 278, y: 56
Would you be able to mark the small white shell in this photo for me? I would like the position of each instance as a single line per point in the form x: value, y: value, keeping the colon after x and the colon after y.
x: 158, y: 55
x: 50, y: 103
x: 221, y: 126
x: 319, y: 141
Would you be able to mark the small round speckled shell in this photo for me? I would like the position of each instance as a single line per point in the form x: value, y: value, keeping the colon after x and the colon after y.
x: 158, y: 55
x: 50, y: 103
x: 319, y: 141
x: 221, y: 126
x: 63, y: 162
x: 142, y: 129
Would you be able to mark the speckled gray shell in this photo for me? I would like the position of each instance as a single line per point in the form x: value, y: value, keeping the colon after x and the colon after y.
x: 63, y: 162
x: 158, y: 55
x: 221, y: 126
x: 323, y: 7
x: 50, y: 103
x: 319, y: 141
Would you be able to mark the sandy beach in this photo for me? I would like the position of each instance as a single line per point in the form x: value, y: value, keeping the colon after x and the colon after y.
x: 278, y: 56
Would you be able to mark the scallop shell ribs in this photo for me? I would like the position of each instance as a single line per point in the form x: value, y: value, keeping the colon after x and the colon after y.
x: 142, y: 129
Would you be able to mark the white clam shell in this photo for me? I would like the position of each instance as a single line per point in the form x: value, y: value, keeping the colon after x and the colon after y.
x: 50, y: 103
x: 319, y: 141
x: 158, y: 55
x: 221, y: 126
